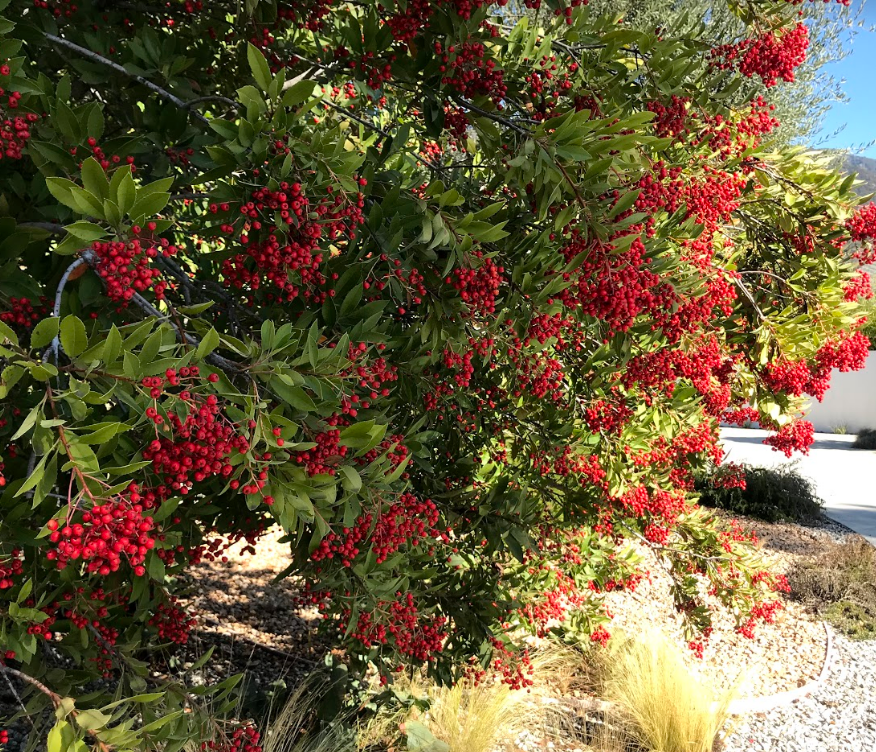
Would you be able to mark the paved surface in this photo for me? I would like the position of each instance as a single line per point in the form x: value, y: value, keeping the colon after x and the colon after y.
x: 844, y: 477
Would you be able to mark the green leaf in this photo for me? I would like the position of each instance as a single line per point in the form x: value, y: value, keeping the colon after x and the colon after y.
x: 87, y: 231
x: 88, y: 203
x: 261, y: 72
x: 62, y: 190
x: 44, y: 332
x: 28, y: 422
x: 89, y: 720
x: 94, y: 179
x: 208, y: 344
x: 148, y: 205
x: 123, y: 196
x: 300, y: 92
x: 350, y: 479
x: 103, y: 433
x: 74, y: 338
x: 420, y: 739
x: 155, y: 567
x: 67, y: 123
x: 8, y: 334
x: 112, y: 346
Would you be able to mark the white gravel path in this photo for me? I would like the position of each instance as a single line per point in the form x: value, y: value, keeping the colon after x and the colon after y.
x: 839, y: 717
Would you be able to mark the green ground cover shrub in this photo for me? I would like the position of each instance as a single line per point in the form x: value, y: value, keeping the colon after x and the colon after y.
x: 771, y: 494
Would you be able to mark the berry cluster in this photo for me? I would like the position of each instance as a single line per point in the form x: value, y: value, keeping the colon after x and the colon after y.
x: 244, y: 738
x: 172, y: 622
x: 22, y: 314
x: 407, y: 522
x: 772, y: 55
x: 396, y: 452
x: 324, y: 457
x: 792, y: 437
x: 610, y: 286
x: 11, y: 567
x: 467, y: 69
x: 609, y: 417
x: 479, y: 287
x: 199, y: 445
x: 399, y: 622
x: 289, y: 256
x: 107, y: 532
x: 126, y: 268
x: 14, y: 131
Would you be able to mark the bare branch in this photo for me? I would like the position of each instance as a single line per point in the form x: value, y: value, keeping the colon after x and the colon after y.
x: 163, y: 93
x: 52, y: 227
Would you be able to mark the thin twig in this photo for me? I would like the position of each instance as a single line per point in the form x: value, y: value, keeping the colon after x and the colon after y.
x: 188, y: 196
x: 747, y: 293
x: 490, y: 115
x: 9, y: 671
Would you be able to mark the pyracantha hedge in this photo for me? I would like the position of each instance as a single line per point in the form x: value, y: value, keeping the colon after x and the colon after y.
x: 457, y: 305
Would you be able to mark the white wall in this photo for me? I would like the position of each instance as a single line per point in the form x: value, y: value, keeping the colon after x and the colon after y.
x: 850, y: 401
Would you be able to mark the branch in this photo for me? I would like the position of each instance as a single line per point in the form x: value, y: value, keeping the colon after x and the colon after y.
x: 55, y: 345
x: 747, y: 293
x: 51, y: 227
x: 361, y: 121
x: 226, y: 365
x: 377, y: 129
x: 54, y: 696
x: 490, y: 115
x: 211, y: 98
x: 163, y: 93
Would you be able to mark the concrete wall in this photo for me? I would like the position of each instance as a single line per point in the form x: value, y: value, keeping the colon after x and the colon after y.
x: 850, y: 401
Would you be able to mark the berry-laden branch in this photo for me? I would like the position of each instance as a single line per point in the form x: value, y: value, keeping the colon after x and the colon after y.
x: 226, y: 365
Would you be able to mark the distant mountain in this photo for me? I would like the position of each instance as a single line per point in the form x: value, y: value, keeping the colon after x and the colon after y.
x: 866, y: 169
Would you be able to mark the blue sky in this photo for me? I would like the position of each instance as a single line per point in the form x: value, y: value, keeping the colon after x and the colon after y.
x: 859, y: 71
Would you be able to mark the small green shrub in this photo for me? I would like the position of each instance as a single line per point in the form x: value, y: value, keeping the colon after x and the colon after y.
x: 866, y: 439
x: 771, y: 494
x: 853, y: 620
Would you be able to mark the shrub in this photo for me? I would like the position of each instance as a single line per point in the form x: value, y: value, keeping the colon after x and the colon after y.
x: 771, y: 494
x: 852, y: 619
x: 458, y: 307
x: 841, y: 585
x: 865, y: 439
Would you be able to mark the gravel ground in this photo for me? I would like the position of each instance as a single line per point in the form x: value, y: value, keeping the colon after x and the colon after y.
x: 839, y: 717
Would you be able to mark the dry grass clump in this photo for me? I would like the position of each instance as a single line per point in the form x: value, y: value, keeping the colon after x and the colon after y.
x: 295, y: 728
x: 841, y: 585
x: 476, y: 718
x: 659, y: 702
x: 649, y: 703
